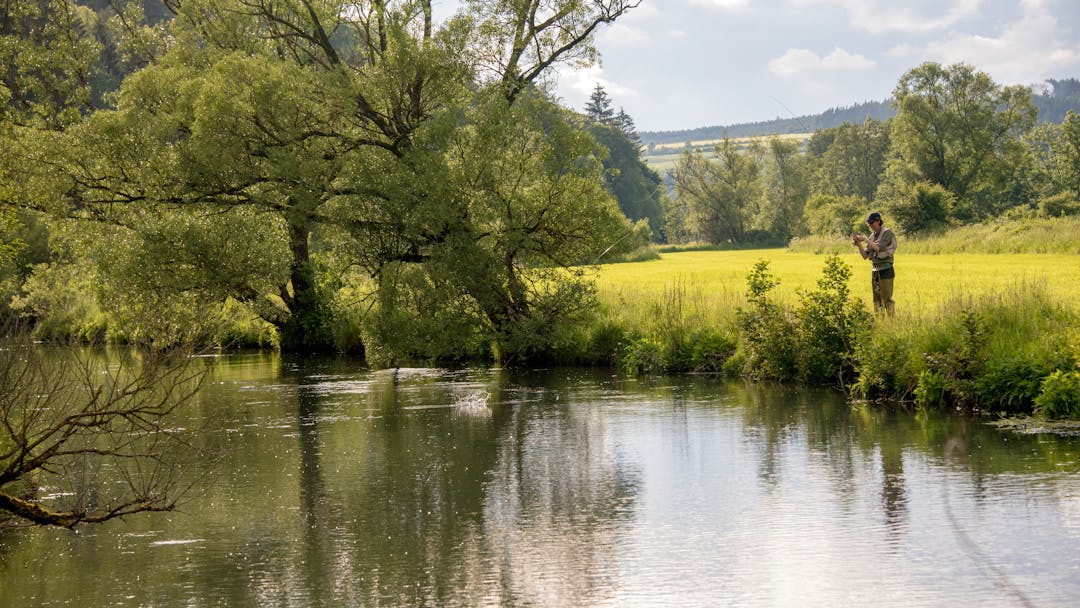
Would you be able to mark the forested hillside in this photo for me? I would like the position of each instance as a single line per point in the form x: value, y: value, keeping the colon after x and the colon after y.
x: 1052, y: 101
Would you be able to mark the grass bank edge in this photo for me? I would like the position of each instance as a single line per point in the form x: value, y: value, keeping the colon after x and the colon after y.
x: 1011, y: 352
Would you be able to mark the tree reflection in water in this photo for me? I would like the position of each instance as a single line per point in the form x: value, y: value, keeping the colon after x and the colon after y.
x: 434, y: 509
x: 343, y: 486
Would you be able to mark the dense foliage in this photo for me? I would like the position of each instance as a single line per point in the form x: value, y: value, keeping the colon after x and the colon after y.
x: 813, y: 343
x: 1054, y: 98
x: 960, y: 149
x: 629, y: 179
x: 334, y: 169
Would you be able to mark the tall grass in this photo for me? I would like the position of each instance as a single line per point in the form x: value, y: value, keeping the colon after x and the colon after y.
x: 714, y: 282
x: 972, y: 330
x: 987, y: 352
x: 1033, y: 235
x: 1024, y: 235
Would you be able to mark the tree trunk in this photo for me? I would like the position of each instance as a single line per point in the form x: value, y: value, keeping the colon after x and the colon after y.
x: 307, y: 329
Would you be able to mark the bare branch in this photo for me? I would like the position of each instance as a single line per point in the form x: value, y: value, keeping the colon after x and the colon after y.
x: 64, y: 410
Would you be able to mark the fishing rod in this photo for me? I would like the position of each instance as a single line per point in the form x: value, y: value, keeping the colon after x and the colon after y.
x: 611, y: 246
x: 806, y: 129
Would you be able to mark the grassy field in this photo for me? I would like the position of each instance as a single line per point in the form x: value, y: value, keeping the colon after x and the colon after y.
x: 1023, y: 235
x: 662, y: 163
x: 677, y: 147
x: 665, y: 157
x: 710, y: 285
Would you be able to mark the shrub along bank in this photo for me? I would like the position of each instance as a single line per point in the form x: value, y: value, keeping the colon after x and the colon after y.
x: 1015, y: 351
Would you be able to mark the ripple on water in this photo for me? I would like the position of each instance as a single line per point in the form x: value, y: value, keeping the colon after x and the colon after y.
x: 178, y: 541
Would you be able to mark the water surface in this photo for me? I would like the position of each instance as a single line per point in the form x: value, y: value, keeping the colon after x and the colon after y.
x: 339, y: 486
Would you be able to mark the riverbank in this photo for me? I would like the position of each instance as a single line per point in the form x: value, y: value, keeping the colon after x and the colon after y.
x: 1030, y: 425
x: 975, y: 331
x: 981, y: 332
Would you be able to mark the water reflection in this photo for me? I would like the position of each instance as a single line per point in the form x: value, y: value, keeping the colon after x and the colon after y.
x: 341, y: 486
x: 402, y: 500
x: 560, y: 497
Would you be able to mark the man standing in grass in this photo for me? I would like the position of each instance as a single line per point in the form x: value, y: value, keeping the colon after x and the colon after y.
x: 879, y: 248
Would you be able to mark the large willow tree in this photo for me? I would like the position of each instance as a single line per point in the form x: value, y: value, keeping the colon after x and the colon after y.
x: 421, y: 145
x: 957, y: 129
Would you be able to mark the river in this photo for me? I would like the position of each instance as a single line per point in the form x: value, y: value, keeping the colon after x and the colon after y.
x: 340, y: 486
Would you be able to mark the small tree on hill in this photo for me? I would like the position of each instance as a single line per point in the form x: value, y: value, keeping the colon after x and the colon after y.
x: 599, y: 107
x: 626, y: 124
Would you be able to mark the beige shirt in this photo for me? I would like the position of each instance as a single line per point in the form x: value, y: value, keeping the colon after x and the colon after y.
x: 886, y: 242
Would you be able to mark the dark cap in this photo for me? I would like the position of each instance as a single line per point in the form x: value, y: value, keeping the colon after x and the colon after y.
x: 873, y: 217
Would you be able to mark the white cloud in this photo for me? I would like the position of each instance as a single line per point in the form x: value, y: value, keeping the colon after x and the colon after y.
x: 902, y: 50
x: 799, y: 61
x: 675, y: 33
x: 1042, y: 88
x: 643, y: 12
x: 584, y: 80
x: 1023, y: 51
x: 877, y: 16
x: 624, y: 35
x: 724, y: 5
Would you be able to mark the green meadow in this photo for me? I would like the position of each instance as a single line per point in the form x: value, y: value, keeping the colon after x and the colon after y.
x: 662, y: 163
x: 713, y: 283
x: 665, y: 157
x: 978, y: 331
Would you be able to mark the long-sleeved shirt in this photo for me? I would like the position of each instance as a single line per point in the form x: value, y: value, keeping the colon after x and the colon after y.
x: 886, y: 242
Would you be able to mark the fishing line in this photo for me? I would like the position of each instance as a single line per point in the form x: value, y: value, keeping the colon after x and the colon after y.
x: 802, y: 124
x: 611, y: 246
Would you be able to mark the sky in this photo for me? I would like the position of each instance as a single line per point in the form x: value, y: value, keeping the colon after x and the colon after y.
x: 683, y: 64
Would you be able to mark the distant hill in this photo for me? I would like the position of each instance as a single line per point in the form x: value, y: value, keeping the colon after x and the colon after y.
x: 1053, y: 100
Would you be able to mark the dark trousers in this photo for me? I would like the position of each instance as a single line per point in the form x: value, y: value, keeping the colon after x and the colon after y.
x: 882, y: 285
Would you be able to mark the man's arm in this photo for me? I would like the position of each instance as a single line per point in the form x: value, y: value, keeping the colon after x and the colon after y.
x: 863, y: 245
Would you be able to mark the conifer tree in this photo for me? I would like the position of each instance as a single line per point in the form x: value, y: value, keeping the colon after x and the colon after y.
x: 599, y: 107
x: 626, y: 124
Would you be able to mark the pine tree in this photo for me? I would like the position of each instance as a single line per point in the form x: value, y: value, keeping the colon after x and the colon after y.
x: 626, y: 124
x: 599, y: 107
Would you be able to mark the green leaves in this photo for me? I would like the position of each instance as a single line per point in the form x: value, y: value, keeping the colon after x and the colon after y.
x: 1059, y: 395
x: 814, y: 343
x: 514, y: 42
x: 852, y: 163
x: 499, y: 212
x: 46, y: 58
x: 958, y: 129
x: 720, y: 194
x: 267, y: 137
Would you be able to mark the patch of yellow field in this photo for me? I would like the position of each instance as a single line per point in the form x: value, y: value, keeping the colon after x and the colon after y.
x: 713, y: 283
